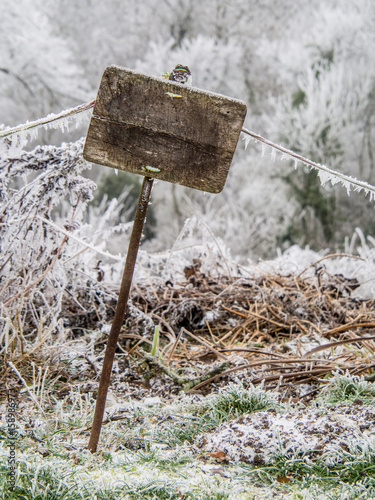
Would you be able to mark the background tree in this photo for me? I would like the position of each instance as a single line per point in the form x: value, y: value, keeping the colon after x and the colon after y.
x: 38, y: 73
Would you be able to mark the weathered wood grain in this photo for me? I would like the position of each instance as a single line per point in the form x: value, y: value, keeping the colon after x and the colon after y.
x: 187, y: 134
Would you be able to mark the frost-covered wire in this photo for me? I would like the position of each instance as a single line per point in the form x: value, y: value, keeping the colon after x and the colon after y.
x: 326, y: 174
x: 47, y: 120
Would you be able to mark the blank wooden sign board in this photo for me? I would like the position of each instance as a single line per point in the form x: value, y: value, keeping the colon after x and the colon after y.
x: 164, y: 130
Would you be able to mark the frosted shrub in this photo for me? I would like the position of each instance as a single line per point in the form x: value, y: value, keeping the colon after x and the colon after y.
x: 33, y: 249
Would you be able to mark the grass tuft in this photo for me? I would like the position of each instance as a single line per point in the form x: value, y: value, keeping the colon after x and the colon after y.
x: 344, y: 388
x: 234, y: 401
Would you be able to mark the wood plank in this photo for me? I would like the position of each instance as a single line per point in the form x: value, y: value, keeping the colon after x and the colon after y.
x: 182, y: 134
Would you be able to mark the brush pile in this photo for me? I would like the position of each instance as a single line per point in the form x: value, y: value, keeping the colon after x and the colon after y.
x: 276, y: 329
x: 287, y: 331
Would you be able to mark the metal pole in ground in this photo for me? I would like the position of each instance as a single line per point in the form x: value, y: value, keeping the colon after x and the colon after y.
x: 121, y: 313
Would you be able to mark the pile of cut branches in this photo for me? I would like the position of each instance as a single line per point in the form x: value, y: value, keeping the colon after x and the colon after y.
x: 281, y: 330
x: 277, y: 329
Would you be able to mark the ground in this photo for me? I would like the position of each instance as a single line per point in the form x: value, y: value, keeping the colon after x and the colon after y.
x: 258, y: 388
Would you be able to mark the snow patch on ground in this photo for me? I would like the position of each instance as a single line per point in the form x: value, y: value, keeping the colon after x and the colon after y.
x: 255, y: 437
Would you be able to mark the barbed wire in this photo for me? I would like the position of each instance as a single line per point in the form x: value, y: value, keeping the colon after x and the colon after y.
x: 325, y: 173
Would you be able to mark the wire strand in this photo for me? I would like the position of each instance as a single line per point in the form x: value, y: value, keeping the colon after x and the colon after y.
x: 52, y: 117
x: 332, y: 174
x: 344, y: 178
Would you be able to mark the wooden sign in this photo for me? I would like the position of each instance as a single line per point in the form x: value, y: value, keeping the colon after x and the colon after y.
x: 162, y: 129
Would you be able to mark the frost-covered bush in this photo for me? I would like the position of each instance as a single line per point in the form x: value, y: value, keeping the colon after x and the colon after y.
x: 35, y: 252
x: 325, y: 114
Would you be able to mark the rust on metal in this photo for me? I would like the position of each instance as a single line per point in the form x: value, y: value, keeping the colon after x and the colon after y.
x: 121, y: 312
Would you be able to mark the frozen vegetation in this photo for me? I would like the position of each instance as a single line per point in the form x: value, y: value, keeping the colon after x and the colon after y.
x: 302, y: 243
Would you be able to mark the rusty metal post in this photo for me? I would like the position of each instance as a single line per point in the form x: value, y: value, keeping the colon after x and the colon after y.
x: 121, y: 313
